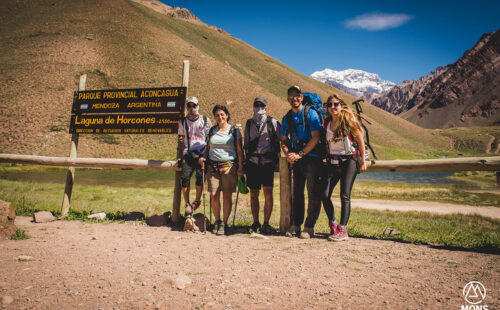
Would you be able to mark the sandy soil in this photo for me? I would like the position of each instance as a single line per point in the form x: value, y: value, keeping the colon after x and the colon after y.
x: 78, y: 265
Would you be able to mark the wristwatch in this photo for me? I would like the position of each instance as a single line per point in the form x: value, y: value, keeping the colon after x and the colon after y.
x: 301, y: 154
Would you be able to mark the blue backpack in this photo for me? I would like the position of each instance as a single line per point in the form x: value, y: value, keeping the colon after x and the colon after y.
x: 312, y: 101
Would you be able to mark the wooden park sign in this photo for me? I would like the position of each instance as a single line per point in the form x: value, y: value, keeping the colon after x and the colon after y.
x: 128, y: 111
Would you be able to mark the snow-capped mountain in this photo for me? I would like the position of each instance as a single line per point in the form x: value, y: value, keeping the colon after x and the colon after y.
x: 354, y: 82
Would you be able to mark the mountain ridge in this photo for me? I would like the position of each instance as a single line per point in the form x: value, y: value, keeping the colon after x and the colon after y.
x: 464, y: 93
x: 354, y: 82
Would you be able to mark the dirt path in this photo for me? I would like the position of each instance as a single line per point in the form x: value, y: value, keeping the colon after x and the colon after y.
x: 489, y: 144
x: 423, y: 206
x: 78, y: 265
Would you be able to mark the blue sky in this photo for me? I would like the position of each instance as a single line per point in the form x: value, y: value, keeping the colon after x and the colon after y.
x: 396, y: 39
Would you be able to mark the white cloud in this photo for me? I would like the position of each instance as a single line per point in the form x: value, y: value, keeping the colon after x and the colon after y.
x: 377, y: 21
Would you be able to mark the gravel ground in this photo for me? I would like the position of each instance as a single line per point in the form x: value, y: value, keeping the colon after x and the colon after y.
x: 77, y: 265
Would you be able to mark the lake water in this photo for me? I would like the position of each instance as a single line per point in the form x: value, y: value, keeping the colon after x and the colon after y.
x: 156, y: 178
x: 408, y: 177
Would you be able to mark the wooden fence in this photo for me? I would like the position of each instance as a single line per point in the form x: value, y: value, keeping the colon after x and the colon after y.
x: 422, y: 165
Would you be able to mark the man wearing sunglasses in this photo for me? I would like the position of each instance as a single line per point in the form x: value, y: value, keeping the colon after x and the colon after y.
x: 300, y: 135
x: 262, y: 138
x: 193, y: 129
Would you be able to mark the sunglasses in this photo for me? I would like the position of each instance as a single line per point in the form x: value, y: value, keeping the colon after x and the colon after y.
x: 191, y: 106
x: 259, y: 105
x: 329, y: 104
x: 296, y: 95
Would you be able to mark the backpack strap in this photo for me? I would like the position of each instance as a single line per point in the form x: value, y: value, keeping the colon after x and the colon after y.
x: 305, y: 114
x: 186, y: 132
x: 247, y: 132
x: 292, y: 127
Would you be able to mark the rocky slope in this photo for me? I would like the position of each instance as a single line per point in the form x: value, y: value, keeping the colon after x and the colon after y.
x: 397, y: 99
x: 465, y: 93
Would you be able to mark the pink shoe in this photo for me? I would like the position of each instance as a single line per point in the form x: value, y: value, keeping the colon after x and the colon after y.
x: 333, y: 230
x: 341, y: 234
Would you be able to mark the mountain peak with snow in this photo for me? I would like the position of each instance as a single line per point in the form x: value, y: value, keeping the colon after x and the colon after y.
x: 353, y: 81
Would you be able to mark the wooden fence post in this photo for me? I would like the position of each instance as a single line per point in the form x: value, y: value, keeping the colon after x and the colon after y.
x: 177, y: 188
x: 70, y: 176
x: 285, y: 196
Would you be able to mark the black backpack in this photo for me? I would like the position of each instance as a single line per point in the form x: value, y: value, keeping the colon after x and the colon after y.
x: 275, y: 143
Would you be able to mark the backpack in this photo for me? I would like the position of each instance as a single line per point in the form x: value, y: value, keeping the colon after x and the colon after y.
x: 232, y: 131
x: 310, y: 101
x: 357, y: 152
x: 359, y: 110
x: 275, y: 143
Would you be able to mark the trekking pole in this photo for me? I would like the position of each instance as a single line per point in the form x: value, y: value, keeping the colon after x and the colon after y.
x: 203, y: 190
x: 293, y: 197
x: 235, y: 206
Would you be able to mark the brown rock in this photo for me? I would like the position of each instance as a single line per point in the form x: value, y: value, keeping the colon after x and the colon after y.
x: 43, y: 217
x: 199, y: 219
x: 157, y: 220
x: 7, y: 217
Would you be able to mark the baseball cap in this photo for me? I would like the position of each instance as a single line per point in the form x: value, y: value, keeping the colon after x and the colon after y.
x: 261, y: 100
x: 294, y: 87
x: 192, y: 99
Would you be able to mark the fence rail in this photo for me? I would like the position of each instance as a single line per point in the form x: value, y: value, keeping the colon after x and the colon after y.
x: 420, y: 165
x: 90, y: 162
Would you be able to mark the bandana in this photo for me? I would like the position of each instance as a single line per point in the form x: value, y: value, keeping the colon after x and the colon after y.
x: 259, y: 114
x: 193, y: 117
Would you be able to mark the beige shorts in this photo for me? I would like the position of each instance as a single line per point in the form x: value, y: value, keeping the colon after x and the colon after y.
x: 226, y: 182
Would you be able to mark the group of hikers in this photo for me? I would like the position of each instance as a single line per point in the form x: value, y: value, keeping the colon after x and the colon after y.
x: 322, y: 145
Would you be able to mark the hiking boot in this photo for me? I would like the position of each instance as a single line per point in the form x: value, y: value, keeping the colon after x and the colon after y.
x: 221, y: 229
x: 267, y: 229
x: 333, y: 230
x: 228, y: 230
x: 195, y: 205
x: 341, y: 234
x: 216, y: 227
x: 256, y: 228
x: 188, y: 210
x: 293, y: 232
x: 307, y: 233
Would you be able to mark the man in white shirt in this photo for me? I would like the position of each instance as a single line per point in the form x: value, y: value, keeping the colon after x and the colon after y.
x: 194, y: 129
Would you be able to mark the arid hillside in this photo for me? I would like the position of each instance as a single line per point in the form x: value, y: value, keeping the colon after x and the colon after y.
x: 47, y: 45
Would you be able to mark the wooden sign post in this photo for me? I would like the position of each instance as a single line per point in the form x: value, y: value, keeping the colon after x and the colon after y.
x: 176, y: 203
x: 70, y: 176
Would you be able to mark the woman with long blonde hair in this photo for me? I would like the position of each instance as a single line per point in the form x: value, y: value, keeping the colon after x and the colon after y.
x: 345, y: 158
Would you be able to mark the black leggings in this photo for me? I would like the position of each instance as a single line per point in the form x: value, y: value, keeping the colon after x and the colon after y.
x: 345, y: 172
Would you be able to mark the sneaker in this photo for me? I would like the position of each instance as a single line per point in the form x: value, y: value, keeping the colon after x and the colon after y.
x: 267, y: 229
x: 188, y: 210
x: 307, y: 233
x: 341, y: 234
x: 256, y: 228
x: 221, y: 229
x: 333, y: 230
